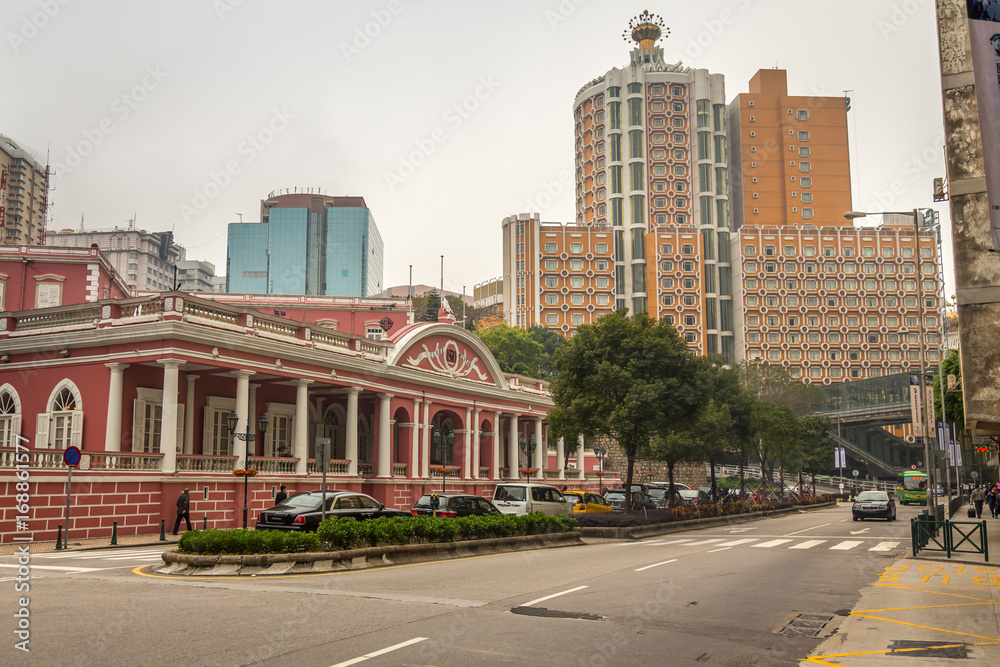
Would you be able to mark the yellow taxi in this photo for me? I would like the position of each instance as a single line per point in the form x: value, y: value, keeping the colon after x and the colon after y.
x: 587, y: 502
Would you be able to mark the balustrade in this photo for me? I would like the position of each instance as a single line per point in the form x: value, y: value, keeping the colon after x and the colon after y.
x: 334, y: 467
x: 188, y: 462
x: 121, y: 461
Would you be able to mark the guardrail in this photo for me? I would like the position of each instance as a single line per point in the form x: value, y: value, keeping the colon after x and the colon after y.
x: 951, y: 537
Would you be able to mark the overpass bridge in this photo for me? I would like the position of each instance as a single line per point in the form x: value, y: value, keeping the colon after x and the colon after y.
x: 859, y: 409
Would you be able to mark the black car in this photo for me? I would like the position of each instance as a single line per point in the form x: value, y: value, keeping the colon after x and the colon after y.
x: 452, y: 504
x: 640, y: 501
x: 304, y: 511
x: 874, y: 504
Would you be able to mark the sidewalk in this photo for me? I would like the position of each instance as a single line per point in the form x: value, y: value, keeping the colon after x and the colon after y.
x: 926, y: 607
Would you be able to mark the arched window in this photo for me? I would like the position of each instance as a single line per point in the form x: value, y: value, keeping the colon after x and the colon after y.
x: 10, y: 416
x: 62, y: 425
x: 365, y: 452
x: 331, y: 429
x: 442, y: 443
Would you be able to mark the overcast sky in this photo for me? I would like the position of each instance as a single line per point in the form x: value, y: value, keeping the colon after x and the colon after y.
x: 445, y: 116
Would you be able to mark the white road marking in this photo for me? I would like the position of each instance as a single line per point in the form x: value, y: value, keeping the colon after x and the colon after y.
x: 712, y: 551
x: 733, y: 543
x: 884, y: 546
x: 652, y: 544
x: 806, y: 529
x: 689, y: 539
x: 858, y: 532
x: 808, y: 544
x: 772, y: 543
x: 656, y: 565
x: 844, y: 546
x: 374, y: 654
x: 700, y: 542
x: 108, y: 553
x: 56, y: 567
x: 739, y: 530
x: 554, y: 595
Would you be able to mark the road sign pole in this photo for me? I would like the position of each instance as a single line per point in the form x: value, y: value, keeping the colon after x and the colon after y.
x: 69, y: 482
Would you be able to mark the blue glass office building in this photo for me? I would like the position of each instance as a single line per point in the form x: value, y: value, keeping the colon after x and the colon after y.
x: 307, y: 244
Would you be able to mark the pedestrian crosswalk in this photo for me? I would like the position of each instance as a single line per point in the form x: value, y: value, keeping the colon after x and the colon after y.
x: 109, y: 555
x: 718, y: 544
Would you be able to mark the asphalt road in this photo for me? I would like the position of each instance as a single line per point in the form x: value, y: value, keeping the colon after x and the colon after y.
x: 713, y: 597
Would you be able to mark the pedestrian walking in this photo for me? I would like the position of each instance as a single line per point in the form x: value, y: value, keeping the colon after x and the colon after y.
x: 281, y: 497
x: 991, y: 499
x: 977, y: 501
x: 183, y: 511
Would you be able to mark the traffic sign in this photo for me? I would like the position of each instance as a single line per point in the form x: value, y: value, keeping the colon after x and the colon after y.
x: 913, y: 467
x: 71, y: 456
x: 855, y: 473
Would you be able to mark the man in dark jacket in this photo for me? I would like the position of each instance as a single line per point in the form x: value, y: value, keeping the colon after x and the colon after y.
x: 281, y: 497
x: 977, y: 501
x: 183, y: 511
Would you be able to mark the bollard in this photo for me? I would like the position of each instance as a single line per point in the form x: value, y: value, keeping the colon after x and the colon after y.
x: 59, y: 538
x: 204, y: 522
x: 114, y: 533
x: 163, y: 530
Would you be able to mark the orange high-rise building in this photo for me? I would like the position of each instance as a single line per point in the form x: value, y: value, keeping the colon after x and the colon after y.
x: 790, y: 163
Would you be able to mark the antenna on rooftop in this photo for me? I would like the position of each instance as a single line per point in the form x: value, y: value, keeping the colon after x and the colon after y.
x: 81, y: 223
x: 131, y: 222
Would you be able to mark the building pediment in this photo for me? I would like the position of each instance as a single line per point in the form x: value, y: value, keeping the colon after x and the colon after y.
x: 447, y: 350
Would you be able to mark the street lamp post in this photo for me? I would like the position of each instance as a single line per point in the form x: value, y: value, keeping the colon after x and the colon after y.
x: 915, y: 214
x: 448, y: 440
x: 528, y: 447
x: 232, y: 418
x: 600, y: 452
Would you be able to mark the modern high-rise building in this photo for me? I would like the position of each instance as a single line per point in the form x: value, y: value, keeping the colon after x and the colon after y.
x: 790, y: 163
x: 146, y: 260
x: 24, y: 195
x: 306, y: 244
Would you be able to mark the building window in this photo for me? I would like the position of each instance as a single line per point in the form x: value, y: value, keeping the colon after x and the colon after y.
x: 804, y: 151
x: 551, y: 319
x: 62, y: 426
x: 551, y: 265
x: 576, y: 281
x: 551, y: 281
x: 10, y: 417
x: 807, y: 213
x: 576, y: 319
x: 802, y: 114
x: 805, y: 166
x: 551, y: 299
x: 576, y: 299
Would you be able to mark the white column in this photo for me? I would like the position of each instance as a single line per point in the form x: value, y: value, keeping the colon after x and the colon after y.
x: 384, y: 463
x: 467, y: 446
x: 352, y: 431
x: 495, y: 472
x: 189, y: 415
x: 581, y: 473
x: 242, y: 410
x: 476, y: 444
x: 561, y: 457
x: 541, y: 451
x: 415, y: 440
x: 425, y: 455
x: 168, y: 422
x: 300, y: 448
x: 113, y: 428
x: 512, y: 463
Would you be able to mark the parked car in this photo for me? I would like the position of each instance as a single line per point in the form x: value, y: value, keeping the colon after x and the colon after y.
x: 640, y: 501
x: 525, y: 497
x: 874, y: 504
x: 587, y: 502
x: 690, y: 496
x: 304, y: 511
x: 659, y: 495
x: 452, y: 505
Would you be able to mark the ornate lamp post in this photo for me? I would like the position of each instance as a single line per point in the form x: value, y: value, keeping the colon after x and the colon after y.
x: 449, y: 440
x: 246, y: 472
x: 600, y: 452
x: 528, y: 447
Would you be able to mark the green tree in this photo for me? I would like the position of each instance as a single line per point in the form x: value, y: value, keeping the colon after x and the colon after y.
x: 514, y: 349
x: 550, y: 341
x: 431, y: 306
x: 777, y: 442
x: 774, y: 383
x: 741, y: 404
x: 817, y: 446
x: 955, y: 408
x: 624, y: 378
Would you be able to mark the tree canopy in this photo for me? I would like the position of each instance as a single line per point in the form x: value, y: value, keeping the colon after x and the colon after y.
x: 627, y: 378
x: 515, y: 350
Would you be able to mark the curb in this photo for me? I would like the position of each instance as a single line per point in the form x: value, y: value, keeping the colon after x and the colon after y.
x: 636, y: 532
x: 353, y: 559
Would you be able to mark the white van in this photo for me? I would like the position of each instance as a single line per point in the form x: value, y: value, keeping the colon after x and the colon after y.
x: 524, y: 498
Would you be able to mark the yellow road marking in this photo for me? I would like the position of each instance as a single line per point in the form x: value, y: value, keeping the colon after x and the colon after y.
x: 819, y: 659
x: 862, y: 614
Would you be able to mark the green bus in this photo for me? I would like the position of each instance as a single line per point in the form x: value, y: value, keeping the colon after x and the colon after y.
x: 911, y: 487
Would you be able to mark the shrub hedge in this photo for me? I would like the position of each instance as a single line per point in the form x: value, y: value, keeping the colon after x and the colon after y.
x: 336, y: 534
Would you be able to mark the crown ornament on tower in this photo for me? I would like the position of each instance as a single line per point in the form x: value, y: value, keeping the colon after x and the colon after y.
x: 645, y: 29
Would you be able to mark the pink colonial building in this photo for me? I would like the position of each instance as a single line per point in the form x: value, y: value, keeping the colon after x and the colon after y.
x: 144, y: 385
